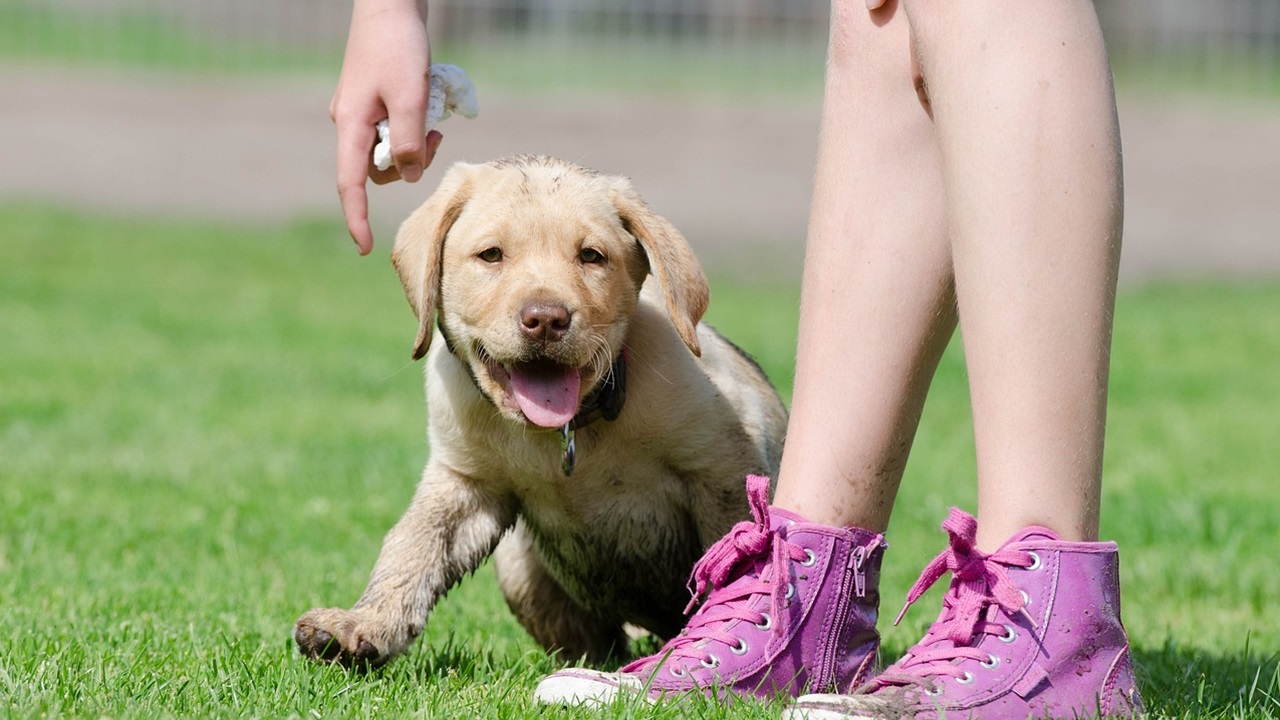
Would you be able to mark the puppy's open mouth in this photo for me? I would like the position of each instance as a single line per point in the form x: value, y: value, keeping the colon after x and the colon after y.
x: 544, y: 390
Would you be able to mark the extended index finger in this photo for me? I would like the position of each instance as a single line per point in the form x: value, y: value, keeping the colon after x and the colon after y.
x: 355, y: 143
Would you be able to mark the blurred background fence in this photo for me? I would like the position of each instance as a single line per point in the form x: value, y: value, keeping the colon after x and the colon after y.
x: 726, y: 46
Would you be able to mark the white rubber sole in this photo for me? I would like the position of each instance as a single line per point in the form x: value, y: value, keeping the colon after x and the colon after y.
x: 797, y: 712
x: 583, y: 688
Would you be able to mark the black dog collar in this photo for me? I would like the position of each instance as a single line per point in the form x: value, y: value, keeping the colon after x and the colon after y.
x: 604, y: 402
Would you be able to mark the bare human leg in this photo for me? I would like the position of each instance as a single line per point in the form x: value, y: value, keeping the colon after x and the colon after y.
x: 877, y: 306
x: 1025, y: 115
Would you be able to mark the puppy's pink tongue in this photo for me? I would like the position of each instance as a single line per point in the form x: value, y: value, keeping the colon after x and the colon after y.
x: 547, y: 393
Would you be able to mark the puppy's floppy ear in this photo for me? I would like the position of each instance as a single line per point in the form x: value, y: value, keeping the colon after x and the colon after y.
x: 671, y: 261
x: 418, y: 254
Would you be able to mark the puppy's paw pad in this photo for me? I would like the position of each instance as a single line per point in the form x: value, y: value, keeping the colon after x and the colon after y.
x: 366, y: 652
x: 333, y: 635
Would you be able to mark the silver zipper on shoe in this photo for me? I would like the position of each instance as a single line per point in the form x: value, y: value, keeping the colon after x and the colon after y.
x: 859, y: 574
x: 860, y: 555
x: 828, y: 665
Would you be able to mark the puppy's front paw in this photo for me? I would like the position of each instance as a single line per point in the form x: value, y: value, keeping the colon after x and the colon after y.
x: 347, y: 637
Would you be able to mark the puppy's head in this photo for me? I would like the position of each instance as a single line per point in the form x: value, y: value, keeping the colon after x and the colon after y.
x: 534, y: 267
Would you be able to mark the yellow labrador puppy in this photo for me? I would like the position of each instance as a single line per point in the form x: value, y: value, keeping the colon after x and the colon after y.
x: 585, y: 429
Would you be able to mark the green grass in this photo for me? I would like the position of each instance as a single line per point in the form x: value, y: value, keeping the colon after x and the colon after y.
x: 1228, y: 75
x: 167, y: 41
x: 153, y: 38
x: 206, y: 429
x: 589, y: 60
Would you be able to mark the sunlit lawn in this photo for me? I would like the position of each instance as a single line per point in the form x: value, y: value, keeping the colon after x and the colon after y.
x: 206, y: 430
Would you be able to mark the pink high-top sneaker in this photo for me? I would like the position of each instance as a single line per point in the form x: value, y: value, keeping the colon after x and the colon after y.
x: 790, y: 607
x: 1030, y: 631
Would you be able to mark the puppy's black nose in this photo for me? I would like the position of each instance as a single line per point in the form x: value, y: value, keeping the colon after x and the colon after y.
x: 544, y: 322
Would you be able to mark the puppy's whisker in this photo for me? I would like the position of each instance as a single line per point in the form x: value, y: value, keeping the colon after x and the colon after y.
x: 634, y: 356
x: 396, y: 372
x: 605, y: 367
x: 600, y: 343
x: 602, y: 357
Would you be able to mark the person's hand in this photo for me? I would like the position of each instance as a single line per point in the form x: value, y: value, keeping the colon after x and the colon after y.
x: 384, y: 75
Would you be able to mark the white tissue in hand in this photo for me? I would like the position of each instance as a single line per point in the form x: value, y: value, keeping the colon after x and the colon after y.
x: 451, y: 91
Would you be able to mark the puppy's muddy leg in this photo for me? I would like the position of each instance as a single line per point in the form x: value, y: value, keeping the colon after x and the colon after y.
x: 547, y: 612
x: 449, y: 528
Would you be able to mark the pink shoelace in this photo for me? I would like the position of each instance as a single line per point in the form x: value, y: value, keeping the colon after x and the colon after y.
x: 733, y: 571
x: 981, y: 583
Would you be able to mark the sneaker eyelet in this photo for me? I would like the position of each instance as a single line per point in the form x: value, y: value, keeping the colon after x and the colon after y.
x: 791, y: 591
x: 968, y: 678
x: 1009, y: 634
x: 677, y: 671
x: 1035, y: 561
x: 741, y: 648
x: 711, y: 662
x: 810, y: 559
x: 1026, y: 599
x: 933, y: 691
x: 765, y: 624
x: 991, y: 663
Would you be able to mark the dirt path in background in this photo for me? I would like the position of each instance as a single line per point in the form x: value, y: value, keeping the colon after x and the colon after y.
x: 1203, y: 183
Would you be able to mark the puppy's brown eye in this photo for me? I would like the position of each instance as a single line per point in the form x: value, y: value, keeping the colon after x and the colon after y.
x: 590, y: 256
x: 491, y: 255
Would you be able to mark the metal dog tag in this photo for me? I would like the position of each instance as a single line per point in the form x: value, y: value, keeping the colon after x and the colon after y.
x: 567, y: 445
